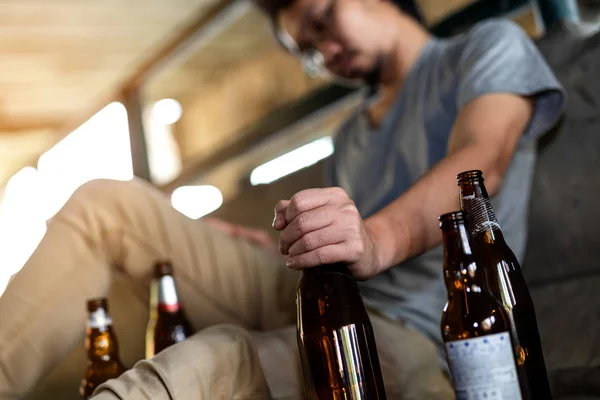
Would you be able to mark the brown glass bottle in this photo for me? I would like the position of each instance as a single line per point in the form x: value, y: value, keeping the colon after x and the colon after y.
x: 506, y: 282
x: 335, y: 337
x: 102, y: 348
x: 475, y: 326
x: 167, y: 324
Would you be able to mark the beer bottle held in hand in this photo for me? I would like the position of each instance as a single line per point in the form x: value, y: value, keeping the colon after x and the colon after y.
x: 506, y: 282
x: 102, y: 348
x: 475, y: 327
x: 167, y: 324
x: 335, y: 337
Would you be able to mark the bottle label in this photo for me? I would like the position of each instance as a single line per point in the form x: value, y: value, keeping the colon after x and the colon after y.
x: 480, y: 214
x: 483, y: 368
x: 167, y: 294
x: 99, y: 319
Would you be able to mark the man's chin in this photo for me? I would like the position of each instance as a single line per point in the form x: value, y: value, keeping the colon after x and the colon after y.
x: 370, y: 78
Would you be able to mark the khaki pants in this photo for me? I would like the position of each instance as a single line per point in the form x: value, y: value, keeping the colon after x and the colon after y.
x: 238, y: 298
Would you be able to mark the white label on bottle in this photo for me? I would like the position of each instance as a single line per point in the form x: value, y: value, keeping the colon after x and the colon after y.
x: 167, y: 294
x: 483, y: 368
x: 99, y: 319
x: 480, y: 215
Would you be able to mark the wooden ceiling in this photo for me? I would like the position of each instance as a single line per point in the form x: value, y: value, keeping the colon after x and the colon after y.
x: 243, y: 35
x: 62, y: 60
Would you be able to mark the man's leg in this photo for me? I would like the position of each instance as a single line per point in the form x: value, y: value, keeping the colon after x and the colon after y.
x: 262, y: 364
x: 409, y: 363
x: 110, y: 226
x: 217, y: 363
x: 130, y: 318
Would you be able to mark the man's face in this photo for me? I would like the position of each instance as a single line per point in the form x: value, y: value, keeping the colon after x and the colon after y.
x: 345, y: 32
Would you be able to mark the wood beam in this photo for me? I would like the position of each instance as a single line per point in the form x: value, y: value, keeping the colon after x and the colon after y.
x: 479, y: 10
x: 434, y: 11
x: 137, y: 137
x: 192, y: 38
x: 17, y: 126
x: 411, y: 8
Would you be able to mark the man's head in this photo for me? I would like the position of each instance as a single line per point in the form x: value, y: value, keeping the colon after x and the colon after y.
x: 356, y: 38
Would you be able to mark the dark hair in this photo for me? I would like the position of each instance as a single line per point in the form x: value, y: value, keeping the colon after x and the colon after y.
x: 273, y: 7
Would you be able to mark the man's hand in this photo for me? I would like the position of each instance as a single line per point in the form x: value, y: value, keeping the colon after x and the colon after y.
x: 323, y: 226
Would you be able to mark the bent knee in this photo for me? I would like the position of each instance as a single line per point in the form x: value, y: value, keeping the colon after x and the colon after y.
x: 107, y: 188
x: 220, y: 345
x: 107, y: 193
x: 226, y: 335
x: 229, y: 341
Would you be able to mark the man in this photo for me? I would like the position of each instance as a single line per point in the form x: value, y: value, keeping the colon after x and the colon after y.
x: 443, y: 106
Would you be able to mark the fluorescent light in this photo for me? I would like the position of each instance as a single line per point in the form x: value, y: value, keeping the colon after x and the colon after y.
x: 21, y: 222
x: 164, y: 158
x: 97, y: 149
x: 167, y: 111
x: 23, y: 182
x: 293, y: 161
x: 196, y: 201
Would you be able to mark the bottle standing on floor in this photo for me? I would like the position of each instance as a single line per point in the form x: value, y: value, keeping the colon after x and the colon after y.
x: 167, y: 324
x: 507, y: 284
x: 335, y: 337
x: 102, y: 348
x: 475, y: 327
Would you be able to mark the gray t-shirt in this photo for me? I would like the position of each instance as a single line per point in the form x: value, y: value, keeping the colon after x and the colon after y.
x: 375, y: 166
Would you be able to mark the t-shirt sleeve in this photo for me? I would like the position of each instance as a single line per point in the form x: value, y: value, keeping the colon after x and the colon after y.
x: 499, y: 57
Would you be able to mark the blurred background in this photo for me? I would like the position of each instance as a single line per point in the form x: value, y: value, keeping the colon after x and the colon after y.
x: 193, y: 95
x: 196, y: 97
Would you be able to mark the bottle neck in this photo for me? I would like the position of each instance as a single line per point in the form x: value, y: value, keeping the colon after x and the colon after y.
x: 167, y: 295
x: 481, y: 219
x: 99, y: 319
x: 461, y: 273
x: 101, y: 342
x: 338, y: 268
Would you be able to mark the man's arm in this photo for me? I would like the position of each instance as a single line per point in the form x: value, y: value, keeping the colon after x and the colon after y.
x: 484, y: 137
x: 323, y: 225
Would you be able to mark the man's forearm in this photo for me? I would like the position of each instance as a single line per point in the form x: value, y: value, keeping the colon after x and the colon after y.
x: 408, y: 226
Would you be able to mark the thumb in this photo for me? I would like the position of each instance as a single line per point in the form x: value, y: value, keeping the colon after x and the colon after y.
x: 279, y: 221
